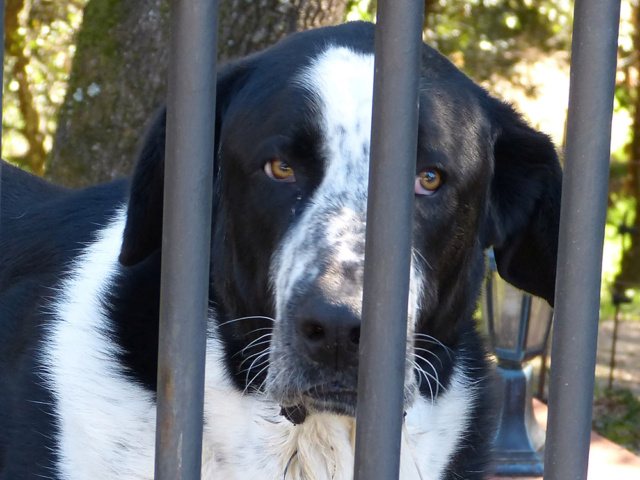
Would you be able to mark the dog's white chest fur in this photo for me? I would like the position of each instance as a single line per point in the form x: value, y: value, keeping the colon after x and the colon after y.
x: 107, y: 421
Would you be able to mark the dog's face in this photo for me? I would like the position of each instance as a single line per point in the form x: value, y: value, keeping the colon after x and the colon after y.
x: 294, y: 126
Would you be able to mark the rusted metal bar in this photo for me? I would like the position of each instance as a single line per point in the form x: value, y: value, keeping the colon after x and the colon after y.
x: 186, y: 238
x: 394, y: 143
x: 582, y: 221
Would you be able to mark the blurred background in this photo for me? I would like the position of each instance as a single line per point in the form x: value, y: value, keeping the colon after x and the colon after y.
x: 82, y: 78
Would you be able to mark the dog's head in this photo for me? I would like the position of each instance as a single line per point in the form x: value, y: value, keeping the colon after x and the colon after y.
x: 293, y: 135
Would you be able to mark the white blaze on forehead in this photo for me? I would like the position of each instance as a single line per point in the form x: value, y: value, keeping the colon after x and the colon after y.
x: 340, y: 83
x: 343, y: 233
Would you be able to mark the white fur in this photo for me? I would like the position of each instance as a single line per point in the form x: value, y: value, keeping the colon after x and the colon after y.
x: 100, y: 412
x: 433, y: 430
x: 107, y: 422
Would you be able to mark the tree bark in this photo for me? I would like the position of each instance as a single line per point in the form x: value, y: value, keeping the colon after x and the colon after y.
x: 117, y: 79
x: 119, y: 74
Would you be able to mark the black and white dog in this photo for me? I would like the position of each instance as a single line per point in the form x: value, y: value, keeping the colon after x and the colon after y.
x: 79, y: 279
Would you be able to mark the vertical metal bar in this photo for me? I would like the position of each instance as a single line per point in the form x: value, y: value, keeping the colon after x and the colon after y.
x: 398, y: 47
x: 186, y: 238
x: 582, y: 220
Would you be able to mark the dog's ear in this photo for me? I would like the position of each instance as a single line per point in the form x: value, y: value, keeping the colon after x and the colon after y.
x: 524, y: 206
x: 143, y: 230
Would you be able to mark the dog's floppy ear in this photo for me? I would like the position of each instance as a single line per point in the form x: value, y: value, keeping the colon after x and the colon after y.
x: 143, y: 230
x: 524, y: 206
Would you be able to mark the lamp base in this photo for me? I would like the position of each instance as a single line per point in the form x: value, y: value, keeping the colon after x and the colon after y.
x: 519, y: 442
x: 531, y: 466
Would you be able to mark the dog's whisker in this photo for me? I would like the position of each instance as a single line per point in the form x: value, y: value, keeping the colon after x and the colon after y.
x: 256, y: 342
x: 415, y: 251
x: 253, y: 355
x: 262, y: 384
x: 419, y: 377
x: 260, y: 330
x: 246, y: 388
x: 430, y: 339
x: 257, y: 365
x: 257, y: 356
x: 433, y: 376
x: 253, y: 317
x: 258, y: 359
x: 256, y: 345
x: 435, y: 372
x: 426, y: 350
x: 426, y: 377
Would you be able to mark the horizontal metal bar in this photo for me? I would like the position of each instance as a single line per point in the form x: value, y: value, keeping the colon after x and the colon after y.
x: 398, y: 47
x: 186, y: 238
x: 582, y: 221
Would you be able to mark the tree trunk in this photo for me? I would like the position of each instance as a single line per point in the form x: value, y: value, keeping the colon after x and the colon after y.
x: 247, y: 26
x: 120, y: 69
x: 118, y: 78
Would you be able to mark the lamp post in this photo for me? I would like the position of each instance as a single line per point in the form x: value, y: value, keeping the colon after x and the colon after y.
x: 518, y: 326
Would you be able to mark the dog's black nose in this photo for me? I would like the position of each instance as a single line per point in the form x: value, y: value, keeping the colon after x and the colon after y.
x: 328, y: 333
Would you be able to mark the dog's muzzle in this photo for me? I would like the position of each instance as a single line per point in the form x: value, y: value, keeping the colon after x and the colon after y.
x: 324, y: 337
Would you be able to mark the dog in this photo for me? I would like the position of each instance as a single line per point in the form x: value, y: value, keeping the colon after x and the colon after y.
x: 80, y: 276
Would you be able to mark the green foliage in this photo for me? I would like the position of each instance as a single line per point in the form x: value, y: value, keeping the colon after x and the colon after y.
x: 627, y: 101
x: 621, y: 211
x: 361, y: 10
x: 489, y: 37
x: 627, y: 76
x: 616, y: 416
x: 38, y: 54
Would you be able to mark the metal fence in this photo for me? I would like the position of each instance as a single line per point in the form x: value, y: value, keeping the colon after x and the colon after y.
x: 190, y: 126
x: 395, y: 123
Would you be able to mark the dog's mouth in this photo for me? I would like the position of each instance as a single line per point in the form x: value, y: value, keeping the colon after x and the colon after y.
x: 332, y: 397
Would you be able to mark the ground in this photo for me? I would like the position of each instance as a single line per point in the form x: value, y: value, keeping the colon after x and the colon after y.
x: 616, y: 412
x: 627, y: 371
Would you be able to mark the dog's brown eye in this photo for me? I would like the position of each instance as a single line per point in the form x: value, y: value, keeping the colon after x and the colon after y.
x: 279, y: 170
x: 428, y: 181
